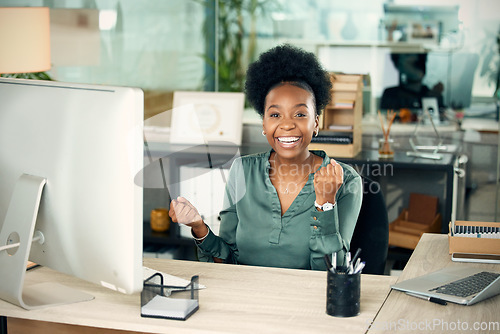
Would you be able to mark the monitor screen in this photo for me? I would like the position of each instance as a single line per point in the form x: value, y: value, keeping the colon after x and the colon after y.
x: 80, y: 147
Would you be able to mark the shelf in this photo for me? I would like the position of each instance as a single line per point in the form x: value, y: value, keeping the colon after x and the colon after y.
x: 337, y: 150
x: 340, y: 107
x: 347, y: 88
x: 336, y: 130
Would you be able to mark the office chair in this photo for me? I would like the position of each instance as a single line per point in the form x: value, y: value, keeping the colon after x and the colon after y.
x: 371, y: 233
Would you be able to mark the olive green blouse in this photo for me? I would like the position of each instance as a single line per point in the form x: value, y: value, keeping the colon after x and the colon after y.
x: 253, y: 231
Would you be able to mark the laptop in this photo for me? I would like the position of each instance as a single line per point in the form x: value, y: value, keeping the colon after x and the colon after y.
x: 461, y: 285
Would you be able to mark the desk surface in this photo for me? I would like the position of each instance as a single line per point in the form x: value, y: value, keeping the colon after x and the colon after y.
x: 399, y: 312
x: 238, y: 299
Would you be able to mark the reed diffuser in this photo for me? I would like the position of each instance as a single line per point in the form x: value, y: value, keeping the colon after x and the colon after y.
x: 385, y: 148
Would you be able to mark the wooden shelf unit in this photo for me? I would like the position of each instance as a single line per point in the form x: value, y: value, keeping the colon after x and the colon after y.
x: 344, y: 111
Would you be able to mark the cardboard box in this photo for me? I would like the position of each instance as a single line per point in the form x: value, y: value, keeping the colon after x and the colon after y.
x: 405, y: 233
x: 420, y: 217
x: 475, y: 245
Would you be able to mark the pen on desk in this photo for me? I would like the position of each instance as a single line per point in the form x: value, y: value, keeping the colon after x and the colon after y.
x: 431, y: 299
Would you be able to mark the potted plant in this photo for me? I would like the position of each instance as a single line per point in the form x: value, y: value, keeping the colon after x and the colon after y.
x: 229, y: 53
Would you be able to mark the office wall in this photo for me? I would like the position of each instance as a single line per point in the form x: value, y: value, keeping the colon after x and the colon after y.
x: 159, y: 45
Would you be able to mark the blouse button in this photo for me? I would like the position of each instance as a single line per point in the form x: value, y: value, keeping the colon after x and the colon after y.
x: 315, y: 218
x: 315, y: 227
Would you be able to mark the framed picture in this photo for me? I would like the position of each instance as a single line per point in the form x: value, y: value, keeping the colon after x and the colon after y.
x: 207, y: 117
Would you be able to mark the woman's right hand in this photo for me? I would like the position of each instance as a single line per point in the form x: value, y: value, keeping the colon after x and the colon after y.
x: 183, y: 212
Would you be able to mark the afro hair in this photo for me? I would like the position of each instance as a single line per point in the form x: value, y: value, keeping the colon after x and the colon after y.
x: 286, y: 63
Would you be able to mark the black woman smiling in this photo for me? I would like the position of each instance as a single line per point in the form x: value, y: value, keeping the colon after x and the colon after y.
x: 289, y: 206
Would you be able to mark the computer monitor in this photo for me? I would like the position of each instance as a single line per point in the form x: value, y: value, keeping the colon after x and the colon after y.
x: 68, y: 157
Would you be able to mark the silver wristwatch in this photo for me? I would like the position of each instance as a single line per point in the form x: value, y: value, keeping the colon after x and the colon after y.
x: 325, y: 207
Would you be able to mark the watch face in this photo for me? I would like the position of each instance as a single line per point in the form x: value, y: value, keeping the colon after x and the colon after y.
x: 327, y: 206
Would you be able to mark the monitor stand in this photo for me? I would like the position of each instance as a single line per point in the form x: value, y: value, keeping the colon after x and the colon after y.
x: 18, y: 228
x: 417, y: 150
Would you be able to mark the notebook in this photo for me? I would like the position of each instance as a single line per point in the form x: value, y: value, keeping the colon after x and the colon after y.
x: 462, y: 285
x: 169, y: 308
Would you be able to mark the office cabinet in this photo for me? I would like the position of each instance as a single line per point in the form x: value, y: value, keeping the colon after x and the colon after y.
x: 402, y: 175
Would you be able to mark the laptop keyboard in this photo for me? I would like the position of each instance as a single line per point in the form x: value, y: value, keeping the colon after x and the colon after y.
x: 467, y: 286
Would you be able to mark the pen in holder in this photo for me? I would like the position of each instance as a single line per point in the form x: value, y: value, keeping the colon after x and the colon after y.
x: 343, y: 285
x: 343, y: 294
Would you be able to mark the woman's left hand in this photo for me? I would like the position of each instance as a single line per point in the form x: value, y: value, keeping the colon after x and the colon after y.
x: 327, y: 182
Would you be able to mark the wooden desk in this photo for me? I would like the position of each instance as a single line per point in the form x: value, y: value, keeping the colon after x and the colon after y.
x: 402, y: 311
x: 238, y: 299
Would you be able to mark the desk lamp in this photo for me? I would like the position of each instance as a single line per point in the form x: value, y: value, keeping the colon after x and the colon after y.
x: 24, y: 39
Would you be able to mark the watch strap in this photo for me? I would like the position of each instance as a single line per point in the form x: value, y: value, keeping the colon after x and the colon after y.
x: 327, y: 206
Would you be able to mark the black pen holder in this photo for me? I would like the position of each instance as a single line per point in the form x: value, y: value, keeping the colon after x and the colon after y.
x: 343, y: 292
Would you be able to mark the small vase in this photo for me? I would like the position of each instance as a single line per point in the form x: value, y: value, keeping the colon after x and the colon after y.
x: 385, y: 148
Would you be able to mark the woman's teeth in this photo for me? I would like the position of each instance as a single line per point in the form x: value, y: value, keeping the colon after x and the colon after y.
x: 288, y: 140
